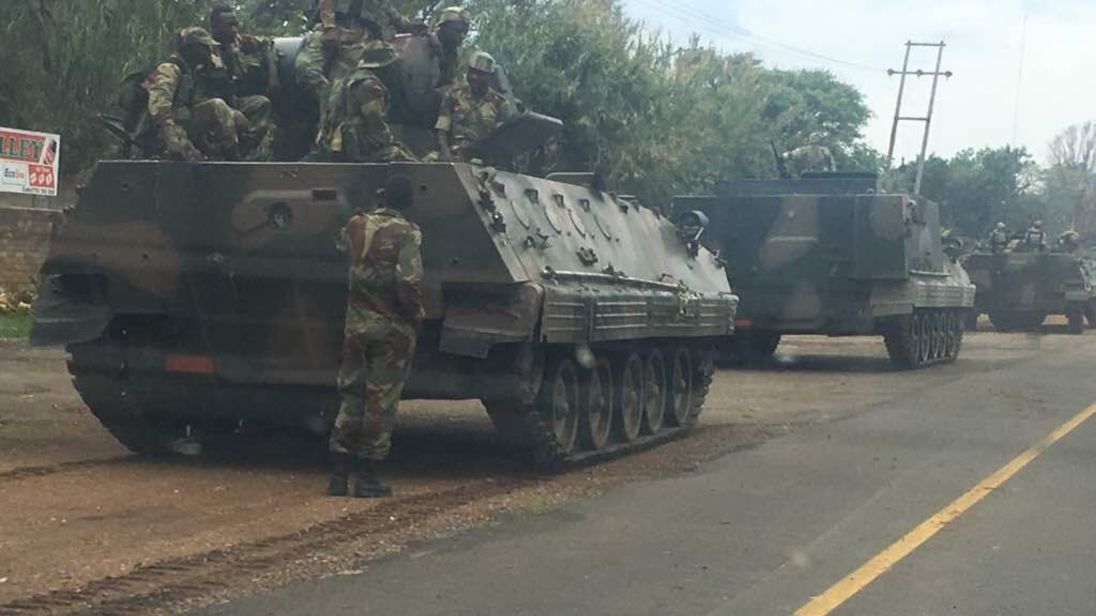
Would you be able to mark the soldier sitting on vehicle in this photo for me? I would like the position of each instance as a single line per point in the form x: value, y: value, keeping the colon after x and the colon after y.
x: 248, y: 75
x: 181, y: 126
x: 450, y: 31
x: 333, y: 49
x: 998, y: 238
x: 1069, y: 242
x: 814, y: 157
x: 469, y: 112
x: 354, y: 127
x: 1035, y: 238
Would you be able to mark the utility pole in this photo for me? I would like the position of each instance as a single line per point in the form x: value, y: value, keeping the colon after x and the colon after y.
x: 927, y: 119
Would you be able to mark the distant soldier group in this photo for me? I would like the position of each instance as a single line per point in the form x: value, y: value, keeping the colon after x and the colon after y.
x: 212, y: 98
x: 1034, y: 239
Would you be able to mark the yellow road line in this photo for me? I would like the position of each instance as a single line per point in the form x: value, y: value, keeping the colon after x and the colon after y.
x: 856, y: 581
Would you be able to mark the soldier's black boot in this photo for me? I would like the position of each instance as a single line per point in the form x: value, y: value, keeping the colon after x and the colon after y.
x: 369, y: 484
x: 338, y: 482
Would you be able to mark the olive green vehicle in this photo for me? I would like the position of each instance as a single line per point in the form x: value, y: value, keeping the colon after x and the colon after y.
x: 829, y: 254
x: 1018, y: 290
x: 193, y: 297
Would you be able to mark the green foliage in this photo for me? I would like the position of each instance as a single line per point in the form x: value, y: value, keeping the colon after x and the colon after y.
x: 656, y: 120
x: 14, y: 326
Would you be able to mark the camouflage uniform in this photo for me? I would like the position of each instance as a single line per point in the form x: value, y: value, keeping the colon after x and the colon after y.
x: 384, y: 309
x: 449, y: 56
x: 242, y: 81
x: 354, y: 126
x: 998, y: 239
x: 467, y: 119
x: 811, y: 158
x: 383, y: 19
x: 181, y: 121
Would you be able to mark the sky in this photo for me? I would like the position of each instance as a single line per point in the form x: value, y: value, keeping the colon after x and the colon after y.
x: 1007, y: 88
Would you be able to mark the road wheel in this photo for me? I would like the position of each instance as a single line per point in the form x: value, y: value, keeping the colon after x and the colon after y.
x: 654, y: 392
x: 924, y: 338
x: 1076, y: 317
x: 901, y: 338
x: 559, y: 403
x: 628, y: 397
x: 681, y: 387
x: 596, y: 421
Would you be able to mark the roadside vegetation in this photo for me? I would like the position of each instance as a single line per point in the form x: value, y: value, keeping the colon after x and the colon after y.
x: 652, y: 116
x: 15, y: 313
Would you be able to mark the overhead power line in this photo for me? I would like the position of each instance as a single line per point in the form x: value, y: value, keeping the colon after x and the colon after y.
x: 723, y: 29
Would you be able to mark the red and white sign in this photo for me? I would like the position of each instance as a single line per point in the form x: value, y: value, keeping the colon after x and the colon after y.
x: 29, y: 162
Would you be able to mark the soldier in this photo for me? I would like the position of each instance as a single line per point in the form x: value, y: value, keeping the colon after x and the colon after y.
x: 1070, y: 241
x: 814, y: 157
x: 182, y: 127
x: 354, y: 127
x: 1035, y: 239
x: 451, y: 30
x: 384, y: 310
x: 998, y: 238
x: 248, y: 75
x: 469, y: 112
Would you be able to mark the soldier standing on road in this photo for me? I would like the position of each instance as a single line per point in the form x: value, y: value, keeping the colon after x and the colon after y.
x: 248, y: 75
x: 354, y: 127
x: 998, y: 238
x: 814, y: 157
x: 384, y: 310
x: 184, y: 127
x: 469, y: 112
x: 1035, y: 239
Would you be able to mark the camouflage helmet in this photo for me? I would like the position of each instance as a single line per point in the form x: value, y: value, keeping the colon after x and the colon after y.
x: 454, y: 14
x: 1001, y: 226
x: 377, y: 54
x: 195, y: 37
x: 482, y: 62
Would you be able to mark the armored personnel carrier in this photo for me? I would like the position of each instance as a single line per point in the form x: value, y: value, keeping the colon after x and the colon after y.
x: 829, y: 254
x: 196, y: 296
x: 1018, y: 290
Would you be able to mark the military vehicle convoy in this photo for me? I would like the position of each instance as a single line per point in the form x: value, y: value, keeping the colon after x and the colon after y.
x: 1018, y: 290
x: 193, y: 297
x: 830, y: 254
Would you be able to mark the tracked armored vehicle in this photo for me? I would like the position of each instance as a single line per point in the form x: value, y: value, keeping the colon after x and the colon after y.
x: 1018, y: 290
x: 193, y: 297
x: 829, y: 254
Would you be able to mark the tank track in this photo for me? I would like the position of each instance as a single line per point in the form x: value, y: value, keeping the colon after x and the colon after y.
x: 98, y: 374
x: 523, y: 422
x: 930, y: 336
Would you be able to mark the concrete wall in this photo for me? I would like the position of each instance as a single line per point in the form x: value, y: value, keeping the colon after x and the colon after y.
x: 24, y: 243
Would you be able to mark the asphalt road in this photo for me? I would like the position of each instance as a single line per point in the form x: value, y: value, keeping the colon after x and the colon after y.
x: 765, y: 530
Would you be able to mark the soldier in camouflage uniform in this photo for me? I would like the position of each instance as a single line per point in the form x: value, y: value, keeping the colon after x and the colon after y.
x: 354, y: 126
x: 384, y: 310
x: 469, y: 112
x: 450, y: 31
x: 248, y: 75
x: 998, y: 238
x: 334, y: 47
x: 183, y: 127
x: 814, y: 157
